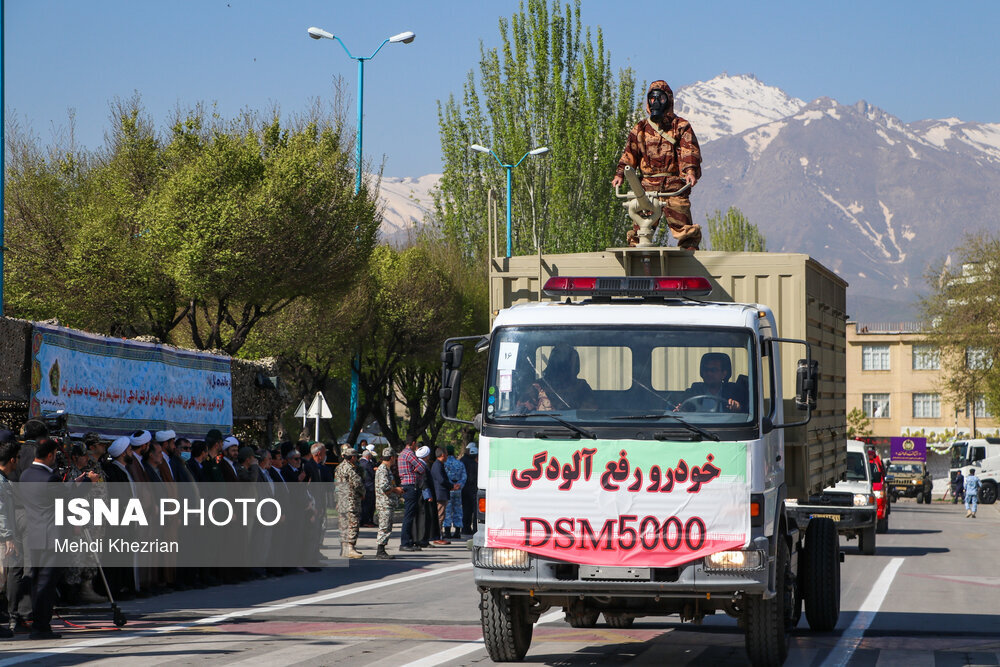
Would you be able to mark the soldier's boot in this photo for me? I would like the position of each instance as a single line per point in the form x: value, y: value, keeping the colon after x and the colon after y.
x: 973, y: 515
x: 968, y: 513
x: 351, y: 552
x: 382, y: 554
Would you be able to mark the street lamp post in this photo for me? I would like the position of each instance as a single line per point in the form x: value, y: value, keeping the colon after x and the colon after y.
x: 404, y: 38
x: 509, y: 168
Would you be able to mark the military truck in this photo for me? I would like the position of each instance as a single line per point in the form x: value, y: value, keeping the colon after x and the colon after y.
x: 909, y: 480
x: 616, y: 477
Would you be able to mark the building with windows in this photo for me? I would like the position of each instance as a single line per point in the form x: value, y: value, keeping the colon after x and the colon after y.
x: 893, y: 376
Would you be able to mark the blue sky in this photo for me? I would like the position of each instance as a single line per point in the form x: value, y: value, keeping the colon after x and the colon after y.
x: 914, y: 59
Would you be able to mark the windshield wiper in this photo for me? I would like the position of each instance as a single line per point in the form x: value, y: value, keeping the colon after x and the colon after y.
x: 555, y: 416
x: 686, y: 424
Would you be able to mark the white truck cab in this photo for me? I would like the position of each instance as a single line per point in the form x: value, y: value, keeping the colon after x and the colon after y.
x: 632, y: 463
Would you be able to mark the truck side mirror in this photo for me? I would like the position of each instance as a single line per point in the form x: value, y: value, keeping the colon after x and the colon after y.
x: 452, y: 356
x: 806, y: 384
x: 451, y: 386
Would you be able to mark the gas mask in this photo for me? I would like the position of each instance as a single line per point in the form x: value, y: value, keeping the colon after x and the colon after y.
x: 657, y: 101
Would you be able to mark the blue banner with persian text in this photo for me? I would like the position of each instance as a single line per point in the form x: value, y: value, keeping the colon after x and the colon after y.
x: 115, y: 386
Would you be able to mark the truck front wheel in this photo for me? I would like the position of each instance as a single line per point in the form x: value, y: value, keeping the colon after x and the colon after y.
x: 866, y: 541
x: 766, y: 627
x: 507, y: 626
x: 822, y: 575
x: 988, y: 494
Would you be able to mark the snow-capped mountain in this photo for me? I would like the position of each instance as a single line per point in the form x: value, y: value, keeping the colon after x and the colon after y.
x: 728, y: 105
x: 407, y: 202
x: 871, y: 197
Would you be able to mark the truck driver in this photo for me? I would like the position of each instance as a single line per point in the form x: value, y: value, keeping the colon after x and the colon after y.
x: 716, y: 393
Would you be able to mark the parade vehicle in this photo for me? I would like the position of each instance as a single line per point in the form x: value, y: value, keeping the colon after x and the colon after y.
x: 858, y: 483
x: 982, y: 454
x: 909, y: 480
x: 657, y: 429
x: 881, y: 491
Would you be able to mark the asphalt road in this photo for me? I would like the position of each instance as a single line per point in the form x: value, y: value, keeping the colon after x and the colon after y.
x: 930, y: 596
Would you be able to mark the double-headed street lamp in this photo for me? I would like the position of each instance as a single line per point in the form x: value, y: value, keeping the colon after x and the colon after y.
x: 509, y: 168
x: 405, y: 38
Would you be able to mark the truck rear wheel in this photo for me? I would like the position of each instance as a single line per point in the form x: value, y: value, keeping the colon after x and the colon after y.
x: 882, y: 525
x: 988, y: 494
x: 822, y: 575
x: 766, y: 627
x: 618, y: 620
x: 583, y: 619
x: 507, y: 626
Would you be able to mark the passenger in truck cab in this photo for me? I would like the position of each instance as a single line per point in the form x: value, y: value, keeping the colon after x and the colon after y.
x: 715, y: 393
x: 558, y: 388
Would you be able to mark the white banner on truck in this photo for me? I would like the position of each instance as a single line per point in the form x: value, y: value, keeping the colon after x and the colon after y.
x: 617, y: 502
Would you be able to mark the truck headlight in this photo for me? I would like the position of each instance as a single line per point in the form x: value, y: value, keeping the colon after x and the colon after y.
x: 502, y: 559
x: 734, y: 561
x: 863, y: 499
x: 914, y: 482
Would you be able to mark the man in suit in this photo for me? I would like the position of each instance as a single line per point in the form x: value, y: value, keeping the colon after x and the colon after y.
x: 196, y: 464
x: 40, y: 535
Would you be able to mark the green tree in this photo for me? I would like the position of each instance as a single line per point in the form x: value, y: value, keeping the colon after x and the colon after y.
x: 963, y: 317
x: 858, y: 425
x: 549, y: 84
x: 733, y: 232
x: 409, y: 302
x: 217, y: 226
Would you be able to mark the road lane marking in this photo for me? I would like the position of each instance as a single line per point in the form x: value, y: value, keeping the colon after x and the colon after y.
x: 115, y: 639
x: 853, y: 635
x: 456, y: 652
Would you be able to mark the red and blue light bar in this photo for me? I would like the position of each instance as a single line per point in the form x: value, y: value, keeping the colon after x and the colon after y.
x: 635, y: 286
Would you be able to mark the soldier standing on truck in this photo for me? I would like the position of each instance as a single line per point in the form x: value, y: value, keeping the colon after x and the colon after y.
x: 665, y: 151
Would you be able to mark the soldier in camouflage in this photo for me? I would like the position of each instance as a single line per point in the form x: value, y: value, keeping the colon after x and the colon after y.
x: 350, y: 490
x: 386, y: 493
x: 665, y: 152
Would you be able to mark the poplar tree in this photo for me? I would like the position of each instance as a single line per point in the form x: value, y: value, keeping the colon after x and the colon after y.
x: 550, y: 83
x: 733, y: 232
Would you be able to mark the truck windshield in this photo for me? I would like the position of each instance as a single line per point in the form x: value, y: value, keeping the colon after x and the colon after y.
x: 609, y: 374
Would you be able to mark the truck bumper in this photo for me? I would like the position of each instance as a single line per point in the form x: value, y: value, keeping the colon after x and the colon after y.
x: 550, y: 578
x: 847, y: 519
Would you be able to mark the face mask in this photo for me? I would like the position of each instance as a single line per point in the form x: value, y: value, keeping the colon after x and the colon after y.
x: 185, y: 455
x: 657, y: 103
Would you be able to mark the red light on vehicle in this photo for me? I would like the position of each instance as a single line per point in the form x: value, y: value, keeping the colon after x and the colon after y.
x: 629, y: 286
x: 688, y: 284
x: 567, y: 284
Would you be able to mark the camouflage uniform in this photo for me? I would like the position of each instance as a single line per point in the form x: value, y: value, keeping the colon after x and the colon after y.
x: 385, y: 502
x: 662, y: 154
x: 350, y: 490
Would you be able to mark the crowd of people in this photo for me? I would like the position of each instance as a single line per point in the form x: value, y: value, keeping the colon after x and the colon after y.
x: 365, y: 493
